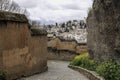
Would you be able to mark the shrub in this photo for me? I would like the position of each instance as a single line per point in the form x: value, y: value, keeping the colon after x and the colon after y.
x: 89, y: 64
x: 84, y: 55
x: 77, y: 60
x: 84, y: 61
x: 110, y: 70
x: 3, y: 76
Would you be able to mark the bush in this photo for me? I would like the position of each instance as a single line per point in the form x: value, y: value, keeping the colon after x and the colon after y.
x: 3, y: 76
x: 89, y: 64
x: 77, y: 60
x: 84, y: 61
x: 110, y: 70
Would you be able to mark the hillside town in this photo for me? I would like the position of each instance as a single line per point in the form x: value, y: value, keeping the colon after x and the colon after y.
x: 71, y: 30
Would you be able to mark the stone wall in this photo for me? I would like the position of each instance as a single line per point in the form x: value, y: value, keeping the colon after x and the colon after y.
x: 60, y: 55
x: 20, y: 53
x: 64, y: 50
x: 104, y: 30
x: 90, y: 74
x: 67, y: 45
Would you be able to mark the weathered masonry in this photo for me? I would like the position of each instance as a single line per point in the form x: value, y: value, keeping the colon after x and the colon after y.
x: 22, y: 51
x: 60, y: 49
x: 104, y: 30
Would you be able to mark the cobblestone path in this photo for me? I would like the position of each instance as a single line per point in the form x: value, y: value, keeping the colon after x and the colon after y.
x: 58, y: 70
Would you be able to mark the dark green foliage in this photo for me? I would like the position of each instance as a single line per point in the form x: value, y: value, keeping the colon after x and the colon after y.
x: 3, y: 76
x: 110, y: 70
x: 117, y: 50
x: 75, y: 62
x: 88, y: 64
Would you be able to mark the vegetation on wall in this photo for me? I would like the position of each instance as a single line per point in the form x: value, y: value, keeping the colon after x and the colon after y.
x: 90, y: 10
x: 3, y: 76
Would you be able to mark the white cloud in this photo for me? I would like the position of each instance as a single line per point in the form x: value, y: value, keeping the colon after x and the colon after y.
x: 56, y: 10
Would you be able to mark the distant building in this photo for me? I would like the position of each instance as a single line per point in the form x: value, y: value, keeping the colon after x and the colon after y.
x: 70, y: 30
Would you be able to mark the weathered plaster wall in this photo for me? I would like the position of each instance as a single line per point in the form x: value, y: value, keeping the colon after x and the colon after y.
x: 81, y: 49
x: 67, y: 45
x: 64, y: 50
x: 14, y: 48
x: 104, y: 30
x: 39, y: 51
x: 20, y: 53
x: 60, y: 55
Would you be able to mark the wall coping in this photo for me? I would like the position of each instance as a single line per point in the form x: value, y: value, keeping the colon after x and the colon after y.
x: 72, y: 40
x: 90, y: 74
x: 15, y: 17
x: 38, y: 32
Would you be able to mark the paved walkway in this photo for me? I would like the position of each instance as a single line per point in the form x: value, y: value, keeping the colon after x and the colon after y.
x: 58, y: 70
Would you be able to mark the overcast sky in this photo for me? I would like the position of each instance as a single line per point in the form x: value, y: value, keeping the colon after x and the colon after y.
x: 56, y: 10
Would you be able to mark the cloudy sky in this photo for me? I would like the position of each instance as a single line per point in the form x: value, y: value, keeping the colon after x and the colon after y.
x: 56, y: 10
